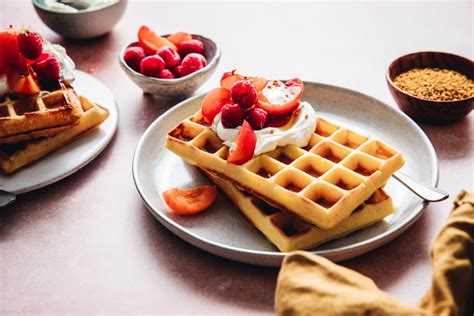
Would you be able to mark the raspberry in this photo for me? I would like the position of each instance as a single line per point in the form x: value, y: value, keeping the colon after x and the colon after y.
x: 191, y: 63
x: 152, y: 66
x: 244, y: 93
x: 203, y: 59
x: 166, y: 74
x: 133, y: 57
x: 30, y: 44
x: 47, y: 67
x: 191, y: 46
x: 256, y: 117
x: 232, y: 115
x: 169, y: 55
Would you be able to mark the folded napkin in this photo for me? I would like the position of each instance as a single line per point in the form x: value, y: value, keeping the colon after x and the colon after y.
x: 312, y: 285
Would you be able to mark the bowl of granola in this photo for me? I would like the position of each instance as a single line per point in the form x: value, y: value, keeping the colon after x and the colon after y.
x: 432, y: 87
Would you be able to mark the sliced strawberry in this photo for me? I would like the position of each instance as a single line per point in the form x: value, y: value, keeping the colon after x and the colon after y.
x: 10, y: 57
x: 245, y: 145
x: 230, y: 78
x: 179, y: 37
x: 151, y: 42
x: 213, y: 103
x: 21, y: 83
x: 288, y: 96
x: 191, y: 201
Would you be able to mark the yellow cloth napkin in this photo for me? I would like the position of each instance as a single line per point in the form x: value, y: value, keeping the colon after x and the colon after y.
x: 312, y: 285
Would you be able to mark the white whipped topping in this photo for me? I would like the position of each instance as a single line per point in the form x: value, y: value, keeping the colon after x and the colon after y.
x: 4, y: 89
x: 77, y: 5
x: 276, y: 92
x: 65, y: 62
x: 296, y: 132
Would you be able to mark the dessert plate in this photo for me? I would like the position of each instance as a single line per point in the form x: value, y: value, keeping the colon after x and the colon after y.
x: 223, y: 231
x: 75, y: 155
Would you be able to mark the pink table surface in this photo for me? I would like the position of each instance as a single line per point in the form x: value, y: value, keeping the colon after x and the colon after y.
x: 87, y: 244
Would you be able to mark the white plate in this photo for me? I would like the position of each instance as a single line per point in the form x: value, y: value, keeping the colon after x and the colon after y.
x: 223, y: 231
x: 75, y: 155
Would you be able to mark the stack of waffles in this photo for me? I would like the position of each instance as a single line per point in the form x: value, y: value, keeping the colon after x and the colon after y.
x: 297, y: 197
x: 33, y: 126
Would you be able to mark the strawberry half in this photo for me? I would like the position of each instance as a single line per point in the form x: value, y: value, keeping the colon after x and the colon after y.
x: 213, y: 103
x: 245, y: 145
x: 190, y: 201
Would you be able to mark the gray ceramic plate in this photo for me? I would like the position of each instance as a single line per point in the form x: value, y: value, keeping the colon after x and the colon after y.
x: 221, y: 230
x: 75, y: 155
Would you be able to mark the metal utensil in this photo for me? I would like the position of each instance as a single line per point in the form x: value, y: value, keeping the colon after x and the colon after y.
x: 424, y: 191
x: 6, y: 198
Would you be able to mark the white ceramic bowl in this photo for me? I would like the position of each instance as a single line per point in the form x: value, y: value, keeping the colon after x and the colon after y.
x: 84, y: 24
x: 179, y: 87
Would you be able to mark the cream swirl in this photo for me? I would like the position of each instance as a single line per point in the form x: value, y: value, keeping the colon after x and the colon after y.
x: 66, y: 64
x: 296, y: 132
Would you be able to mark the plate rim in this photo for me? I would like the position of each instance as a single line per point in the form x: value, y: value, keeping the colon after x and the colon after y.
x: 274, y: 258
x: 105, y: 142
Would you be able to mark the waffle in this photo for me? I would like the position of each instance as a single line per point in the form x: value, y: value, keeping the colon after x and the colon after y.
x: 39, y: 112
x: 288, y: 233
x: 13, y: 157
x: 47, y: 132
x: 322, y: 183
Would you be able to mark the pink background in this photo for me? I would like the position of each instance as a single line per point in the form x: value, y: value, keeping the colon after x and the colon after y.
x: 87, y: 244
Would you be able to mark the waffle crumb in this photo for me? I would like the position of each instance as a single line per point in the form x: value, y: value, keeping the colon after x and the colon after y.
x: 435, y: 84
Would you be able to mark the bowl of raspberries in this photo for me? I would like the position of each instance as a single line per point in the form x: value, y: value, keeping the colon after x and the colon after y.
x: 170, y: 65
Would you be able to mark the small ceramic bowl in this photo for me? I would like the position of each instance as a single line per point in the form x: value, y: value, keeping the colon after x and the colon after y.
x: 179, y: 87
x: 427, y: 110
x: 83, y: 24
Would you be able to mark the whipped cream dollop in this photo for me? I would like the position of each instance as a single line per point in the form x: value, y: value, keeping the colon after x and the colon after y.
x: 4, y: 89
x: 296, y: 132
x: 65, y: 62
x: 74, y: 6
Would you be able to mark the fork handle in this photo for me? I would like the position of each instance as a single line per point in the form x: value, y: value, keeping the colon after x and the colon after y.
x: 424, y: 191
x: 6, y: 198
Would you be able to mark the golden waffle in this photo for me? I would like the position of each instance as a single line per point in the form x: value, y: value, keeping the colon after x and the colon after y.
x: 47, y: 132
x: 289, y: 233
x: 321, y: 183
x: 39, y: 112
x: 13, y: 157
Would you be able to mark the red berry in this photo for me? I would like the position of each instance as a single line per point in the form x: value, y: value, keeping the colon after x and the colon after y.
x: 47, y: 67
x: 133, y: 57
x: 30, y: 44
x: 232, y: 115
x: 244, y: 93
x: 169, y: 55
x: 256, y: 117
x: 166, y: 74
x: 191, y: 63
x: 203, y: 59
x: 152, y: 66
x: 191, y: 46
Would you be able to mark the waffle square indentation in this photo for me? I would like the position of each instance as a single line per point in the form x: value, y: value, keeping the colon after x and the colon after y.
x: 362, y: 164
x: 331, y: 151
x: 186, y: 131
x: 314, y: 166
x: 293, y: 180
x: 324, y: 128
x: 378, y: 150
x: 264, y: 166
x: 208, y: 142
x: 349, y: 139
x: 343, y: 178
x: 286, y: 155
x: 323, y: 194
